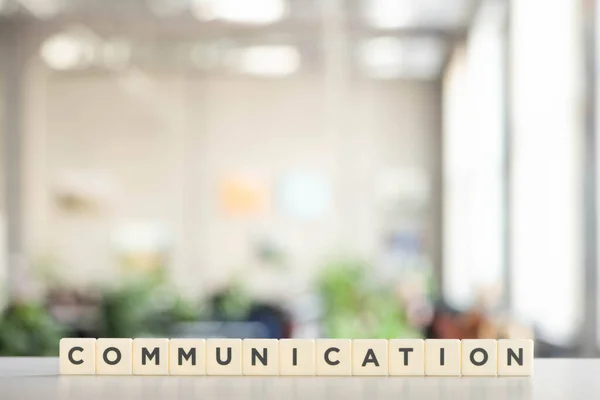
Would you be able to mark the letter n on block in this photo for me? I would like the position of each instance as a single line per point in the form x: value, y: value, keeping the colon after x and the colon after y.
x: 515, y: 357
x: 260, y: 356
x: 187, y: 356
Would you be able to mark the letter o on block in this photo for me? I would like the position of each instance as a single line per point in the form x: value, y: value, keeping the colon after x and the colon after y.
x: 77, y: 356
x: 114, y: 356
x: 479, y: 357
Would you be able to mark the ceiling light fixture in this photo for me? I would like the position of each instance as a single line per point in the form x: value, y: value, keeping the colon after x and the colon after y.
x: 274, y: 61
x: 252, y: 12
x: 399, y: 14
x: 409, y: 58
x: 390, y: 14
x: 64, y: 52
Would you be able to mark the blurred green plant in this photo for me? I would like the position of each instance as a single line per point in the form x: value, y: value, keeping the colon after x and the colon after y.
x: 27, y: 329
x: 146, y: 305
x: 355, y: 307
x: 232, y: 303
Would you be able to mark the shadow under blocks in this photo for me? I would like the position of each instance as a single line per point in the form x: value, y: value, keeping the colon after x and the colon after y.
x: 297, y: 357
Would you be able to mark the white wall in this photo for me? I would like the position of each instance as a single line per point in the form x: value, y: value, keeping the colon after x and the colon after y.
x: 166, y: 139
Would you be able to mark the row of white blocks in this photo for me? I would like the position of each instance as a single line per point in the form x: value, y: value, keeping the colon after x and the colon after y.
x: 297, y: 357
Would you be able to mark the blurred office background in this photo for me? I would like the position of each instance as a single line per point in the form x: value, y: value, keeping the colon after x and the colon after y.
x: 299, y: 168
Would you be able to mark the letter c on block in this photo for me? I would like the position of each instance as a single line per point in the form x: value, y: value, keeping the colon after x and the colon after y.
x: 329, y: 350
x: 71, y: 359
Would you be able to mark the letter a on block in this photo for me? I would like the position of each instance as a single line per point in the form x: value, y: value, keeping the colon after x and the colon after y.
x: 370, y: 357
x: 187, y: 356
x: 77, y: 356
x: 151, y: 356
x: 515, y: 357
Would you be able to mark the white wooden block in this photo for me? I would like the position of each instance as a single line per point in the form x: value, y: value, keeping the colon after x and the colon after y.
x: 260, y: 357
x: 187, y: 356
x: 114, y: 356
x: 297, y: 357
x: 515, y: 357
x: 479, y: 357
x: 77, y: 356
x: 333, y: 357
x: 442, y: 357
x: 407, y: 357
x: 223, y: 357
x: 370, y: 357
x: 150, y: 356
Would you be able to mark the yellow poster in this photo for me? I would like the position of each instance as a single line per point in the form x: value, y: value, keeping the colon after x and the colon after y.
x: 243, y: 195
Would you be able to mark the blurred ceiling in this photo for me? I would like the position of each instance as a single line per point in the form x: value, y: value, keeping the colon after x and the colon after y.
x: 386, y: 39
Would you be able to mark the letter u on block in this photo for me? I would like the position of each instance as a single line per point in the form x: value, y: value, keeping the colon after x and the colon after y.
x: 223, y: 357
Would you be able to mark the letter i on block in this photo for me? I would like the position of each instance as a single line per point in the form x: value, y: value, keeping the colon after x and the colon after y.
x: 260, y: 357
x: 297, y: 357
x: 187, y: 356
x: 114, y: 357
x: 151, y: 356
x: 442, y: 357
x: 77, y: 356
x: 515, y: 357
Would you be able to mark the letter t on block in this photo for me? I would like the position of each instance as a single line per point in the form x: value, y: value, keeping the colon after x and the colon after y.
x: 407, y: 357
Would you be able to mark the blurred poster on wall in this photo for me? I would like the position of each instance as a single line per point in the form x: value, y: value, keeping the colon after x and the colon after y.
x: 242, y: 194
x: 403, y: 189
x: 142, y: 246
x: 305, y: 195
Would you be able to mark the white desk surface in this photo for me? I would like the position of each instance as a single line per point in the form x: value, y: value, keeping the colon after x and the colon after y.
x: 37, y: 378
